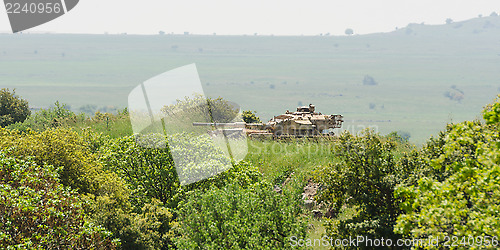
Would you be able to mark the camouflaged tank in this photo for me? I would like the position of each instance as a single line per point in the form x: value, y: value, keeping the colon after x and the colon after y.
x: 304, y: 122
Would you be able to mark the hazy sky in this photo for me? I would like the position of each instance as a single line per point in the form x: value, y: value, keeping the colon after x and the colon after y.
x: 278, y: 17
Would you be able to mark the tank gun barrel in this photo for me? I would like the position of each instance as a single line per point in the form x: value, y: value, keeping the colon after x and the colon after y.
x: 216, y: 124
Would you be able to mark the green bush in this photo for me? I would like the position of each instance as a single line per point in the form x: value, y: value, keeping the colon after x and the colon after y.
x: 113, y: 125
x: 234, y: 217
x: 491, y: 113
x: 457, y: 188
x: 359, y: 189
x: 13, y: 109
x: 244, y: 174
x: 149, y: 229
x: 37, y: 212
x: 222, y: 110
x: 399, y: 136
x: 250, y: 117
x: 152, y: 177
x: 150, y: 172
x: 53, y: 117
x: 62, y: 148
x: 104, y: 192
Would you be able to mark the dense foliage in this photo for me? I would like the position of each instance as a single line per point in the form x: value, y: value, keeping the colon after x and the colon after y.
x: 106, y: 198
x: 363, y: 183
x: 37, y: 212
x: 457, y: 189
x: 12, y: 108
x: 60, y: 115
x: 62, y: 148
x: 150, y: 172
x: 48, y: 118
x: 64, y: 184
x: 152, y: 177
x: 233, y: 217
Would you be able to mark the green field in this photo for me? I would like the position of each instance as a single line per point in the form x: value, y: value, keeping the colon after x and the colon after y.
x: 413, y: 66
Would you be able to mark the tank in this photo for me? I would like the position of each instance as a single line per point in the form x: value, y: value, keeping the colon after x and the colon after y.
x: 305, y: 122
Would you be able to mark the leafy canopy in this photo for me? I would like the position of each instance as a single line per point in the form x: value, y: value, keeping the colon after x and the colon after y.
x: 235, y: 217
x: 37, y: 212
x: 359, y: 188
x: 13, y: 109
x: 458, y: 185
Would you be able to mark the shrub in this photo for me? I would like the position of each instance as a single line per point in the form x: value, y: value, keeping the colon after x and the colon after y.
x: 250, y: 117
x: 37, y: 212
x: 244, y: 174
x: 149, y: 229
x: 155, y: 189
x: 105, y: 194
x: 491, y: 113
x: 399, y: 136
x: 150, y: 172
x: 53, y: 117
x: 62, y: 148
x: 65, y: 149
x: 362, y: 182
x: 13, y: 109
x: 233, y: 217
x: 456, y: 191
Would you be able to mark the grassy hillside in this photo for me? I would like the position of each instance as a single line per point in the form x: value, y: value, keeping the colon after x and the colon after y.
x: 426, y: 75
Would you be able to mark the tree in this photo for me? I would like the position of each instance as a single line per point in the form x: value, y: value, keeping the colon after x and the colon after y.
x: 199, y: 109
x: 449, y: 20
x: 399, y: 136
x: 349, y: 31
x: 494, y: 13
x: 250, y: 117
x: 222, y: 110
x: 12, y: 108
